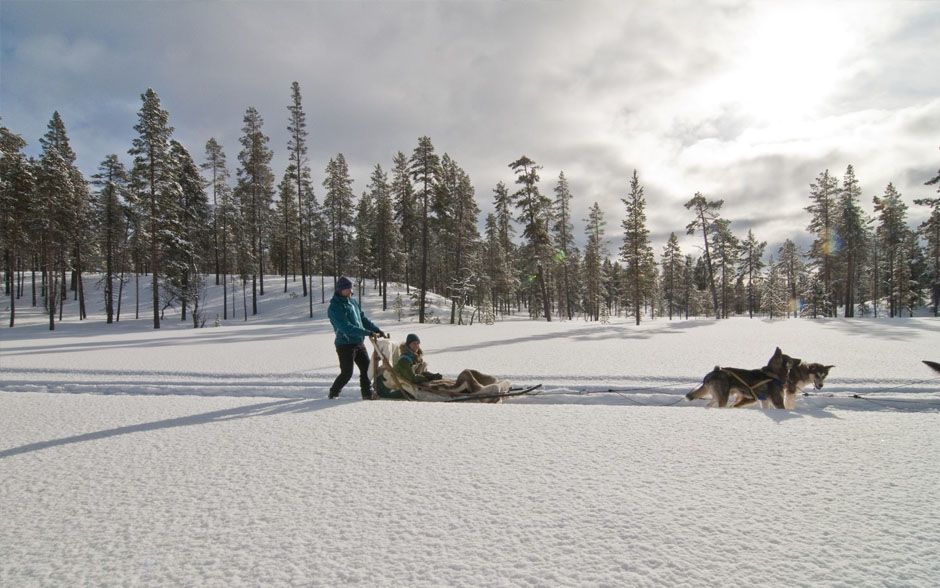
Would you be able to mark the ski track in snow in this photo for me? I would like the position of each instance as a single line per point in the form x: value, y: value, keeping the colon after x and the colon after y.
x: 211, y: 457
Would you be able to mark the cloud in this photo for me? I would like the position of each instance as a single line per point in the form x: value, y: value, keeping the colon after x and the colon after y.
x: 743, y: 101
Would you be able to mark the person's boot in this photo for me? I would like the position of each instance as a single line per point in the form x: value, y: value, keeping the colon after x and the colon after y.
x: 333, y: 394
x: 367, y: 392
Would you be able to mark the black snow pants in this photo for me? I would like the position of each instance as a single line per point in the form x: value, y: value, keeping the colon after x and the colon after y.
x: 348, y: 354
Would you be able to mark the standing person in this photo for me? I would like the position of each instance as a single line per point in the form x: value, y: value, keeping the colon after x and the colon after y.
x: 351, y: 327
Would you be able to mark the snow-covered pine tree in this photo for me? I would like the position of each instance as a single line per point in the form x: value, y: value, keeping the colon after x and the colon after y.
x: 403, y: 198
x: 54, y: 188
x: 852, y: 233
x: 636, y: 251
x: 930, y: 232
x: 256, y: 193
x: 688, y: 290
x: 792, y: 270
x: 153, y: 168
x: 319, y: 238
x: 193, y: 237
x: 823, y: 194
x: 386, y: 234
x: 17, y: 185
x: 773, y: 294
x: 563, y: 230
x: 218, y: 178
x: 338, y: 207
x: 424, y: 166
x: 705, y: 214
x: 464, y: 236
x: 672, y: 263
x: 223, y: 209
x: 111, y: 180
x: 891, y: 213
x: 76, y: 212
x: 442, y: 268
x: 750, y: 264
x: 399, y: 306
x: 502, y: 205
x: 594, y: 253
x: 286, y: 242
x: 297, y: 151
x: 726, y: 248
x: 364, y: 227
x: 534, y: 214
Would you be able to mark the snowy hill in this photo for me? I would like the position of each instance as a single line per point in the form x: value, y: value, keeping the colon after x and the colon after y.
x: 212, y: 457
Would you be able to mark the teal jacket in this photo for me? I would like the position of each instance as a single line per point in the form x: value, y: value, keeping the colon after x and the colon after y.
x: 350, y: 324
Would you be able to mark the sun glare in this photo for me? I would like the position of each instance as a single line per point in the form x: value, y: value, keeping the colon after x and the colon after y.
x: 790, y: 63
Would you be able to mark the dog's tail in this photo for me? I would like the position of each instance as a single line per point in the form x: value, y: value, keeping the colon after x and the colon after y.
x: 932, y: 365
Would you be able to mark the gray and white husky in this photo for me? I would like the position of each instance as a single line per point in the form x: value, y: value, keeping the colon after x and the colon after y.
x: 776, y: 384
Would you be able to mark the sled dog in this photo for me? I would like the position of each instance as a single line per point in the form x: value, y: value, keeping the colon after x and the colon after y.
x: 777, y: 383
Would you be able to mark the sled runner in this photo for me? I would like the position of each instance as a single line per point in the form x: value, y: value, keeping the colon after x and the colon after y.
x: 470, y: 385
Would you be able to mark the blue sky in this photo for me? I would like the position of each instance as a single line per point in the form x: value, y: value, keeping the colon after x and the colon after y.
x: 745, y: 101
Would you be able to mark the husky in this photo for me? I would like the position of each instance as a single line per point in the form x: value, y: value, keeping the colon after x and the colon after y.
x: 777, y: 383
x: 799, y: 375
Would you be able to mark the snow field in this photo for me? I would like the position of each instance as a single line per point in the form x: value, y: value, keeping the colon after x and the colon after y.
x: 211, y: 457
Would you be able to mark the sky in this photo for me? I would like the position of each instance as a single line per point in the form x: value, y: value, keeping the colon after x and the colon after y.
x: 742, y: 101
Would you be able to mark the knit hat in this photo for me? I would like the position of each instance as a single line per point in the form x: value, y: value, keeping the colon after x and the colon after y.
x: 343, y: 284
x: 411, y: 338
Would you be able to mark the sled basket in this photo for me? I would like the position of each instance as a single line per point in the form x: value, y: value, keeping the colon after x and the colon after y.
x: 469, y: 386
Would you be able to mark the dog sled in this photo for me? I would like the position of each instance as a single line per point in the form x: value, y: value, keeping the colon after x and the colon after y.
x: 470, y: 385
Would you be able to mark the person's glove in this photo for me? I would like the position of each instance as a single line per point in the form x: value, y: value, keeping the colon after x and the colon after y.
x: 431, y: 376
x: 382, y: 334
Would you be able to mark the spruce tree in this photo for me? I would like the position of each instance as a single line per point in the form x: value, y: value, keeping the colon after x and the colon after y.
x: 297, y: 150
x: 290, y: 234
x: 111, y: 180
x: 218, y: 183
x: 564, y: 240
x: 594, y: 254
x: 726, y: 249
x: 152, y: 164
x: 406, y: 215
x: 338, y: 210
x: 672, y: 264
x: 425, y: 170
x: 364, y: 227
x: 930, y: 231
x: 792, y: 270
x: 223, y: 216
x: 706, y: 213
x: 823, y: 193
x: 17, y: 183
x: 772, y: 301
x: 891, y: 213
x: 535, y: 212
x: 192, y: 235
x: 636, y: 251
x: 256, y: 191
x: 386, y: 232
x: 750, y: 264
x: 850, y: 227
x: 54, y: 188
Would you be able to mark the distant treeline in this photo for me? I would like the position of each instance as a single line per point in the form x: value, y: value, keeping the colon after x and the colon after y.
x: 179, y: 222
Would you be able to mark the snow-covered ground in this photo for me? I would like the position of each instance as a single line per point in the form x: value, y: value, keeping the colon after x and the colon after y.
x: 211, y: 457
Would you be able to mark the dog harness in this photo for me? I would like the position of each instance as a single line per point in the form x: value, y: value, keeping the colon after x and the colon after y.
x: 751, y: 388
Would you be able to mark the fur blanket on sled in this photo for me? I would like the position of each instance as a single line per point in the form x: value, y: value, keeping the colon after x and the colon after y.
x: 469, y: 382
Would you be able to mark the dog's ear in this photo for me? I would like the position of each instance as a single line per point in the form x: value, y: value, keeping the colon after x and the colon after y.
x: 775, y: 360
x: 828, y: 367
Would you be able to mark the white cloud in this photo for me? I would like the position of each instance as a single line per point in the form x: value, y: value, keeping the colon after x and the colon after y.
x: 743, y: 101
